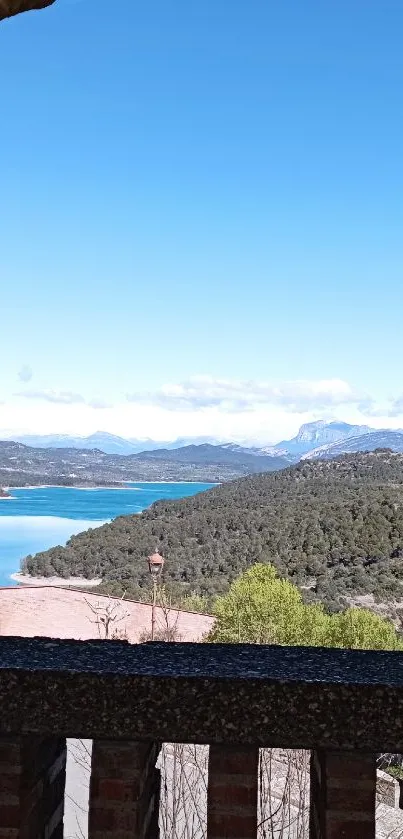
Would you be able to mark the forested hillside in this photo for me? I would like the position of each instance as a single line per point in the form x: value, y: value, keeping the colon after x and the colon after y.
x: 334, y: 527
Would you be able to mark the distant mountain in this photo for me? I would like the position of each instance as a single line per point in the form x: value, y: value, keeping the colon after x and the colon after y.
x: 180, y: 442
x: 105, y: 442
x: 44, y: 441
x: 384, y: 439
x: 108, y: 443
x: 314, y: 434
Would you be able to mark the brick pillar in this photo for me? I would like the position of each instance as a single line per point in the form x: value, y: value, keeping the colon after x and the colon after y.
x: 124, y: 792
x: 343, y: 795
x: 32, y: 781
x: 232, y: 792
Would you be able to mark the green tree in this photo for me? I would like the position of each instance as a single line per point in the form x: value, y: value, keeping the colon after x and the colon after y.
x: 261, y: 608
x: 194, y: 603
x: 315, y: 628
x: 360, y: 629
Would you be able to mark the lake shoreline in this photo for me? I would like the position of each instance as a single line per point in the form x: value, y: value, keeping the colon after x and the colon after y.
x: 124, y: 485
x: 36, y: 519
x: 69, y: 486
x: 58, y: 582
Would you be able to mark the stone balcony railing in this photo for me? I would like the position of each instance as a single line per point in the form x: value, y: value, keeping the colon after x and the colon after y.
x: 345, y: 706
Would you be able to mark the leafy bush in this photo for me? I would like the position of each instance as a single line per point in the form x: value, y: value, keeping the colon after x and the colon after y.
x: 261, y: 608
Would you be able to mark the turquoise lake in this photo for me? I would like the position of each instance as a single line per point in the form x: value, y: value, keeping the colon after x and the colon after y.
x: 35, y: 519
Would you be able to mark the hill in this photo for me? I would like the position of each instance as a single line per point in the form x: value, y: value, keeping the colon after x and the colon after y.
x: 334, y: 527
x: 226, y: 455
x: 385, y: 439
x: 22, y: 465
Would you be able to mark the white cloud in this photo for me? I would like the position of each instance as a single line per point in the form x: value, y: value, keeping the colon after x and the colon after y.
x: 237, y: 396
x: 61, y: 397
x: 396, y: 407
x: 26, y: 373
x: 99, y: 404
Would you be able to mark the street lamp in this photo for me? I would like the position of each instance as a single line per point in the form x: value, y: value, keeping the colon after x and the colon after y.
x: 155, y: 565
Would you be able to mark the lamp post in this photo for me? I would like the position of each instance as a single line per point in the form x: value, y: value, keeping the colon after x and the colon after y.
x: 155, y: 565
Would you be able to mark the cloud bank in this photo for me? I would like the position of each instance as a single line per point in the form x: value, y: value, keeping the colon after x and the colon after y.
x: 238, y: 396
x: 246, y: 411
x: 63, y: 397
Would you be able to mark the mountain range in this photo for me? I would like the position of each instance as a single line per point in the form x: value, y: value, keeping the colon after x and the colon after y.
x: 310, y: 437
x: 107, y: 458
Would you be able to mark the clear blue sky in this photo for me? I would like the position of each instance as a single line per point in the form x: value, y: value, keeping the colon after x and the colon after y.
x: 197, y: 188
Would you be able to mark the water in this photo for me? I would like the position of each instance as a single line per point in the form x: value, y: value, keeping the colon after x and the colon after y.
x: 35, y: 519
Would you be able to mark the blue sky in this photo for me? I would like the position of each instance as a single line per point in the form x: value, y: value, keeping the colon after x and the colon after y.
x: 201, y: 189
